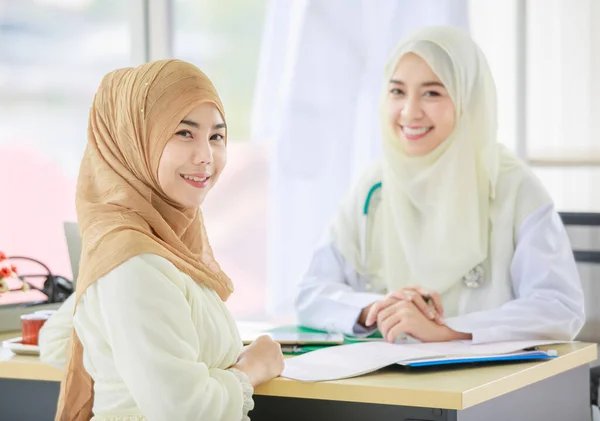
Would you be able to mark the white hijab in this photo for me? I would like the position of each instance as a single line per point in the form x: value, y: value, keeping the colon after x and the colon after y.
x: 435, y: 218
x: 436, y: 208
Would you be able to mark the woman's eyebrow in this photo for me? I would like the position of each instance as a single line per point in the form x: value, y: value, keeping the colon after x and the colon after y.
x: 192, y: 123
x: 433, y: 83
x: 424, y: 84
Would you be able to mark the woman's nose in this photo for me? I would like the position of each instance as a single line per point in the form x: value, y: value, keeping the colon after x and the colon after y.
x: 203, y: 153
x: 412, y: 109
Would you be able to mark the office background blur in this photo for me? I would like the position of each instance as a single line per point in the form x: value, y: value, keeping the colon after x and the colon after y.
x: 299, y: 80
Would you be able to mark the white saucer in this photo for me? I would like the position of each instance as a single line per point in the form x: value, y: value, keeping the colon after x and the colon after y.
x: 17, y: 347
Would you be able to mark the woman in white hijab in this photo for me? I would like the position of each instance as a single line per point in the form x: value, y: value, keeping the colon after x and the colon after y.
x: 448, y: 215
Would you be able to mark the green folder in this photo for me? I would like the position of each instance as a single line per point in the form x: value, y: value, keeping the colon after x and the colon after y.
x: 302, y: 349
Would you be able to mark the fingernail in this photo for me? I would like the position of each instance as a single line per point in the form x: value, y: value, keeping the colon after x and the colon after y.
x: 431, y: 315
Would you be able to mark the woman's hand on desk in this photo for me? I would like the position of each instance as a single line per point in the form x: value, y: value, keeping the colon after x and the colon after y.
x: 261, y: 361
x: 426, y: 300
x: 395, y: 317
x: 429, y: 302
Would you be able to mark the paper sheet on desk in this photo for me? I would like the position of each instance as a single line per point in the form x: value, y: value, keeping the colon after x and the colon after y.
x: 340, y: 362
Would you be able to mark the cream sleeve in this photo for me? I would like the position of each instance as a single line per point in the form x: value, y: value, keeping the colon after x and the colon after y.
x: 155, y: 346
x: 56, y: 333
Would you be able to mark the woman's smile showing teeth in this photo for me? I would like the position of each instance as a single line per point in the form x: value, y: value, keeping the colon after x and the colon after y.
x: 197, y: 180
x: 415, y: 132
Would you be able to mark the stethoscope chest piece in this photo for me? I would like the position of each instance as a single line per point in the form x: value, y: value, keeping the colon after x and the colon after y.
x: 475, y: 277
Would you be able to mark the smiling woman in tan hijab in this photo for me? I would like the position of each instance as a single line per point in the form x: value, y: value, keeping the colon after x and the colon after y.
x: 153, y: 339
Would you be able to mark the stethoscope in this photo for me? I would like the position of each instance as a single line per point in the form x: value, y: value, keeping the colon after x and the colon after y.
x: 472, y: 279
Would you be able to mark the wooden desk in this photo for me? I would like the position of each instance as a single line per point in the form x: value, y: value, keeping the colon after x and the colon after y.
x: 552, y: 390
x: 21, y: 367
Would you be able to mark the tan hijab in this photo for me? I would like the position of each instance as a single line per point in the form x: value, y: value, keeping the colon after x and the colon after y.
x: 121, y: 209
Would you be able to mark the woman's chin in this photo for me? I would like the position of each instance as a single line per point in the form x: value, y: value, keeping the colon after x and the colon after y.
x: 415, y: 150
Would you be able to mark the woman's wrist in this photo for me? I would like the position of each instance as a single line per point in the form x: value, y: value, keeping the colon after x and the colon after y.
x: 453, y: 335
x: 247, y: 371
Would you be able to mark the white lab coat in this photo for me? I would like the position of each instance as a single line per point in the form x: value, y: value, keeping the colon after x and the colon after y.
x: 332, y: 294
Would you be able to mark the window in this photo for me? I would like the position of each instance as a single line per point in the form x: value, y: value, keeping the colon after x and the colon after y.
x: 562, y: 87
x: 544, y: 55
x: 53, y: 54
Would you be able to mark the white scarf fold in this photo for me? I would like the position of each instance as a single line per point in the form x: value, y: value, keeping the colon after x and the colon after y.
x: 435, y: 209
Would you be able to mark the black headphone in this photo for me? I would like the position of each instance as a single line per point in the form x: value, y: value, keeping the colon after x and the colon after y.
x: 57, y: 288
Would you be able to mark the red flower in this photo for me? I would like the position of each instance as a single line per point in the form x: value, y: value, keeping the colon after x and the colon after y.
x: 5, y: 272
x: 14, y: 268
x: 2, y: 256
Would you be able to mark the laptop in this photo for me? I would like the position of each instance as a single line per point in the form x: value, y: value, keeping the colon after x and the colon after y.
x: 74, y: 247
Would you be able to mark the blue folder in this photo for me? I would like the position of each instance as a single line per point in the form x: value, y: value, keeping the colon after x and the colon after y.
x: 532, y: 355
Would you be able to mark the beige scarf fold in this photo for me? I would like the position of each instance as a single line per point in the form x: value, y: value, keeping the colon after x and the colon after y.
x: 121, y: 210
